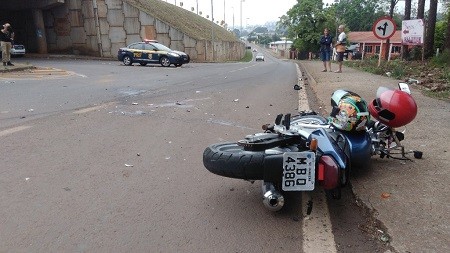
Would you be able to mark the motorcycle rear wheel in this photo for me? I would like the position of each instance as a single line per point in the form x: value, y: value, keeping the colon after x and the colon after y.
x: 231, y: 160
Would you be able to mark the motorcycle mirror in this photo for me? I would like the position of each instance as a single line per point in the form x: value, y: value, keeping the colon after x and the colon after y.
x: 278, y: 119
x: 287, y: 121
x: 266, y: 127
x: 404, y: 87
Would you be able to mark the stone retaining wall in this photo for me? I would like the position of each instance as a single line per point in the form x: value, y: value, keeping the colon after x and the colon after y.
x: 101, y: 27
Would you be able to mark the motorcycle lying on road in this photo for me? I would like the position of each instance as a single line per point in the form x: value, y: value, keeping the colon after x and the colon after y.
x: 308, y: 151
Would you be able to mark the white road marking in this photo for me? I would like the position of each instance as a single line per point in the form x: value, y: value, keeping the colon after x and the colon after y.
x: 251, y: 66
x: 317, y: 229
x: 13, y: 130
x: 94, y: 108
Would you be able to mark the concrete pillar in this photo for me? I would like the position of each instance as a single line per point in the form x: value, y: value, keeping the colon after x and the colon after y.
x: 41, y: 38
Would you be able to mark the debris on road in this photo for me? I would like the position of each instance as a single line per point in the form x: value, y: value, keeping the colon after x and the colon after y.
x: 385, y: 195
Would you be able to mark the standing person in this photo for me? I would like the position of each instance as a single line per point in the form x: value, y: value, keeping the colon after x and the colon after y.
x: 6, y: 39
x: 340, y: 47
x: 325, y: 49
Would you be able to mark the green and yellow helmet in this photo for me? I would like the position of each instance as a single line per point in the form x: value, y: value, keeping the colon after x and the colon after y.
x: 350, y: 111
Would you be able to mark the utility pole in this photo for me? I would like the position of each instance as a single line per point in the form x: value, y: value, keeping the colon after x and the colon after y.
x: 224, y: 11
x: 241, y: 16
x: 212, y: 29
x: 233, y: 18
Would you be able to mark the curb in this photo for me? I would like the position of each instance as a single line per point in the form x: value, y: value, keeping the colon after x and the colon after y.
x: 16, y: 68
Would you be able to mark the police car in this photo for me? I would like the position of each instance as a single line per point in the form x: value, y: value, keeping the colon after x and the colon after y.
x: 151, y: 51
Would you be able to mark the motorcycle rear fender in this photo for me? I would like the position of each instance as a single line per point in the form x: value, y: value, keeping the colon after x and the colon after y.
x: 273, y: 168
x: 360, y: 148
x: 328, y: 146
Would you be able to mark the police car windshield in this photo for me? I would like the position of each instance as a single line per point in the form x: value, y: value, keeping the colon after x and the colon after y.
x: 161, y: 47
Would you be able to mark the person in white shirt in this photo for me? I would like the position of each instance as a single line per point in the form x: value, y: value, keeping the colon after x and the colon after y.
x: 340, y: 47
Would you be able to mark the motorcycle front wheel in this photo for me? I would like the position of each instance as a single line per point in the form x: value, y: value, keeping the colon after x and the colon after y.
x: 231, y: 160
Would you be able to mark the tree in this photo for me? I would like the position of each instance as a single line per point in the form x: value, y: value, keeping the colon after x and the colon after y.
x: 421, y: 9
x: 264, y: 40
x: 304, y: 22
x: 447, y: 34
x: 260, y: 30
x: 358, y: 15
x: 391, y: 14
x: 431, y: 27
x: 439, y: 37
x: 275, y: 37
x: 407, y: 16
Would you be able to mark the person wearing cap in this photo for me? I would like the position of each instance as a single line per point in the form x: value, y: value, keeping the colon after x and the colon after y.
x: 6, y: 39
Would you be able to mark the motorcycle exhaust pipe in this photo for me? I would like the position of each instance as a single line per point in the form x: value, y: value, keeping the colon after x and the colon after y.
x: 272, y: 199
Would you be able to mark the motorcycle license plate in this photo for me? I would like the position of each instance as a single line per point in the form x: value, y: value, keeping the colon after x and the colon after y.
x: 299, y: 171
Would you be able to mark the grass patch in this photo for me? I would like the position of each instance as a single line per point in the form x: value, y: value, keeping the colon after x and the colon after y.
x: 191, y: 24
x: 248, y: 56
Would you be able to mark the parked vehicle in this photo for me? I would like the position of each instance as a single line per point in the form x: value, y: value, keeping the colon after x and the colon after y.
x: 259, y: 57
x: 17, y: 50
x: 353, y: 50
x: 151, y: 52
x: 308, y: 151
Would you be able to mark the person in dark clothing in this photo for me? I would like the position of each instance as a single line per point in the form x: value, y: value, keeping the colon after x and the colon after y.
x: 6, y: 39
x: 325, y: 49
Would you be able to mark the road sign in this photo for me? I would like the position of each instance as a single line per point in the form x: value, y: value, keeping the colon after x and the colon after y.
x: 384, y: 28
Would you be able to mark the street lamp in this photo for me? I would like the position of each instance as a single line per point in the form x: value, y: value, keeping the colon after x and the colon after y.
x: 233, y: 17
x: 241, y: 14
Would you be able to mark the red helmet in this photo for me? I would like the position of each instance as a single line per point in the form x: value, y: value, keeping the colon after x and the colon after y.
x: 394, y: 108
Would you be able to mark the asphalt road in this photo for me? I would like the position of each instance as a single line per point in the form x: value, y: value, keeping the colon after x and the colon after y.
x: 108, y: 158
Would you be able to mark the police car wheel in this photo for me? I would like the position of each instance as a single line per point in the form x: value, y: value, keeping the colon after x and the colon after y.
x: 127, y: 60
x: 165, y: 62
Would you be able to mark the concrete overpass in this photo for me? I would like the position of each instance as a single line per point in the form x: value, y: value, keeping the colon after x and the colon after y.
x: 101, y: 27
x: 24, y: 14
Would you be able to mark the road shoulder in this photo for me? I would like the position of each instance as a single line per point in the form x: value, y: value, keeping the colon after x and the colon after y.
x: 415, y: 216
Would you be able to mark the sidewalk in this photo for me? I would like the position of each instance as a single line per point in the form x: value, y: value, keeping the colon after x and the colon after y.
x: 417, y: 211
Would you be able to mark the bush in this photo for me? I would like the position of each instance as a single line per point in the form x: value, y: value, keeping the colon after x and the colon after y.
x: 442, y: 60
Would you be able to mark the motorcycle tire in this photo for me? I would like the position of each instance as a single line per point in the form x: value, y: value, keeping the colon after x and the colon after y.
x: 231, y: 160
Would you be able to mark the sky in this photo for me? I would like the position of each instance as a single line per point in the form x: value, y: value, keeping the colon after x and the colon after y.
x: 254, y: 12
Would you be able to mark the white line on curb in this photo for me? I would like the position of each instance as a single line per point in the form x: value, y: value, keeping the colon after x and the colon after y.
x: 303, y: 104
x: 317, y: 229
